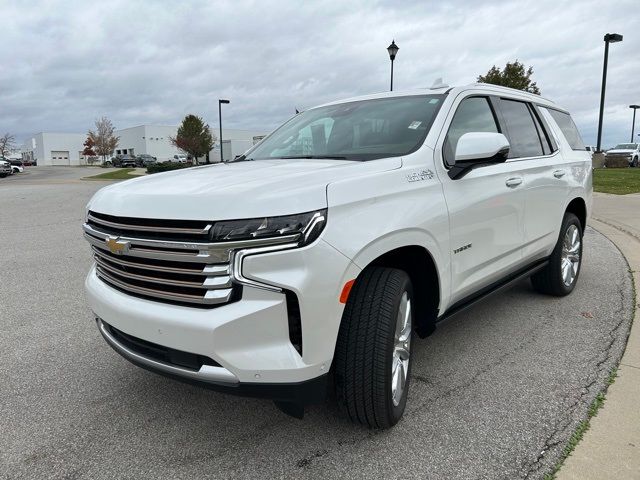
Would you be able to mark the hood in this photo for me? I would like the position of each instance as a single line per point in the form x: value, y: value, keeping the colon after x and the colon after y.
x: 620, y: 150
x: 232, y: 190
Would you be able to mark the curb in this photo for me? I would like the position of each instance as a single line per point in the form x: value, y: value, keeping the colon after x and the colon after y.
x: 611, y: 446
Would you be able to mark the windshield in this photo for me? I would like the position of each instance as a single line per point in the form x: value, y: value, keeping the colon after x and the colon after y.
x: 362, y: 130
x: 626, y: 146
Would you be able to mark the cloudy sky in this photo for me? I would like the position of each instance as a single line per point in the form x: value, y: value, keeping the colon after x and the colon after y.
x: 65, y: 63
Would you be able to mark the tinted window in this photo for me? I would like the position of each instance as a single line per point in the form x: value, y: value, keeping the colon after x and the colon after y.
x: 523, y: 135
x: 473, y: 115
x: 568, y: 128
x: 361, y: 130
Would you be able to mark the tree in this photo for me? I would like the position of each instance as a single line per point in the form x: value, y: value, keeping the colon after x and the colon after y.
x: 104, y: 141
x: 194, y: 137
x: 7, y: 143
x: 514, y: 75
x: 88, y: 151
x: 88, y: 147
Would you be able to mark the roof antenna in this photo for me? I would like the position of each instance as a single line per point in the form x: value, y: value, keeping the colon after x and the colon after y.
x: 438, y: 84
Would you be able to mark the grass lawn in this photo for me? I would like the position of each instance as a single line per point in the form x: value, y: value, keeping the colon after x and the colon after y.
x: 119, y: 174
x: 616, y: 180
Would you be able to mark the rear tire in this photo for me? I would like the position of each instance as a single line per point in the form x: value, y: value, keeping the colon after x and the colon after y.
x: 373, y: 351
x: 560, y: 276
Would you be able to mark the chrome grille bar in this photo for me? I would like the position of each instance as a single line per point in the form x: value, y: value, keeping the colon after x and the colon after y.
x: 209, y: 270
x: 211, y: 282
x: 201, y: 252
x: 149, y: 228
x: 212, y: 297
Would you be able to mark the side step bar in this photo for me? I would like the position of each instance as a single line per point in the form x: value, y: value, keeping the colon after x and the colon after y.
x: 489, y: 290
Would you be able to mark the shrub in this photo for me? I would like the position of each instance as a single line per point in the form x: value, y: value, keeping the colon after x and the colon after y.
x: 616, y: 162
x: 165, y: 167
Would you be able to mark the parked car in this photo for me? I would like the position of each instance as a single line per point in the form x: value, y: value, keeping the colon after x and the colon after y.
x: 144, y: 160
x: 179, y: 158
x: 5, y: 168
x: 625, y: 151
x: 16, y: 166
x: 357, y: 227
x: 126, y: 160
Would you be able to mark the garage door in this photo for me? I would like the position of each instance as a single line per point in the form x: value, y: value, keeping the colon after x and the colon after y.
x: 59, y: 158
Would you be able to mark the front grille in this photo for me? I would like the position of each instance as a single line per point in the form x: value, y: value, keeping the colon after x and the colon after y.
x: 162, y: 260
x: 169, y: 261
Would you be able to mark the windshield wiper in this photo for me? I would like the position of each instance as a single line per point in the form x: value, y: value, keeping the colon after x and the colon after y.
x: 328, y: 157
x: 240, y: 158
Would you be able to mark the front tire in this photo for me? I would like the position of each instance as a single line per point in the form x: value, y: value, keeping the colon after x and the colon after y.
x: 560, y: 276
x: 373, y: 351
x: 634, y: 163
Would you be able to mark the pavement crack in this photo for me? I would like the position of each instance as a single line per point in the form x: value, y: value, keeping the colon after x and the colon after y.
x: 305, y: 462
x: 595, y: 381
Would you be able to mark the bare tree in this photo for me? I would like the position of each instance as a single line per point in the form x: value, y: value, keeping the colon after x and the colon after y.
x: 7, y: 143
x: 104, y: 140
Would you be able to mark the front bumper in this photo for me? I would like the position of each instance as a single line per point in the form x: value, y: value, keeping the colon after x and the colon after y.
x: 248, y: 338
x: 218, y: 378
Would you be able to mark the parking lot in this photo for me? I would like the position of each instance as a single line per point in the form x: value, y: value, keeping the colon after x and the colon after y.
x: 496, y: 391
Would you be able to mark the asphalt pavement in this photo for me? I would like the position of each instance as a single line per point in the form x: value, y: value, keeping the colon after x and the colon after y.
x: 496, y: 391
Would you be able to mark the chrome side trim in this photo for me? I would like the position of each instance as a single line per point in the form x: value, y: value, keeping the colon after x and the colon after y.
x: 207, y: 373
x: 211, y: 297
x: 150, y: 228
x: 238, y: 257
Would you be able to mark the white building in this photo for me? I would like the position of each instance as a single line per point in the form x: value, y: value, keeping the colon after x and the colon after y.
x: 57, y: 148
x: 66, y: 148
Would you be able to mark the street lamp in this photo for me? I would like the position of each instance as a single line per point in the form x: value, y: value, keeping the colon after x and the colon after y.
x: 608, y: 38
x: 633, y: 123
x: 393, y: 51
x: 220, y: 102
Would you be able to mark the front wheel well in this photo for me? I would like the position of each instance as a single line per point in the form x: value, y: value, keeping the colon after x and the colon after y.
x: 578, y: 207
x: 419, y: 265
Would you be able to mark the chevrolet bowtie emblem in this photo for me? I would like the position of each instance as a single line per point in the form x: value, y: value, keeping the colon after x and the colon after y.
x: 116, y: 246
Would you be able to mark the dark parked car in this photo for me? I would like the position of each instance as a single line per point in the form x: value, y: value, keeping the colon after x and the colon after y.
x: 144, y: 160
x: 124, y: 161
x: 5, y: 168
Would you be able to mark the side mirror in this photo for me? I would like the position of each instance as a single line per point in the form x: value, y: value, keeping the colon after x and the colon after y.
x: 475, y: 149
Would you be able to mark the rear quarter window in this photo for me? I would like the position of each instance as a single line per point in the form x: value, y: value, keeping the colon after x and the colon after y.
x: 568, y: 128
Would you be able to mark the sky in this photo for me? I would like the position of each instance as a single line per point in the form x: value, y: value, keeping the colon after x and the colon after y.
x: 65, y: 63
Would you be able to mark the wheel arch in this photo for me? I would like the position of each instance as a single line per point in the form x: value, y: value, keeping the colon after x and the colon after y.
x: 578, y: 207
x: 418, y: 262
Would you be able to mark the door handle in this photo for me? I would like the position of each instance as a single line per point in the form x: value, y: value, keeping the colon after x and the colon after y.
x: 513, y: 182
x: 559, y: 173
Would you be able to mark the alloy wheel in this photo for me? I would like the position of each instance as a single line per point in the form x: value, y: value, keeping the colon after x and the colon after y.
x: 401, y: 350
x: 570, y: 255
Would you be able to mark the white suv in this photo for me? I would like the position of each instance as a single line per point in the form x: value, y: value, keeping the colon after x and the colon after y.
x: 311, y: 263
x: 627, y: 151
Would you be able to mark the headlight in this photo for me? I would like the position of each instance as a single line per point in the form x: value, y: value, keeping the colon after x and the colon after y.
x: 305, y: 226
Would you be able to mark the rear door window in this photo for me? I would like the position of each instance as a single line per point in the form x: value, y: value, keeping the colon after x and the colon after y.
x: 524, y: 139
x: 568, y: 128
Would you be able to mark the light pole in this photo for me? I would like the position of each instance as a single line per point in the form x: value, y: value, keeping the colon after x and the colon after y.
x: 633, y: 123
x: 220, y: 102
x: 608, y: 38
x: 393, y: 51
